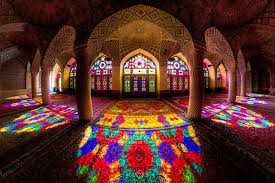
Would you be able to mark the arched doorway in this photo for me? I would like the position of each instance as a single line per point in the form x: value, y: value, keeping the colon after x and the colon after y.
x: 72, y: 79
x: 139, y: 77
x: 221, y: 77
x: 101, y: 75
x: 177, y: 76
x: 206, y: 77
x: 58, y: 81
x: 55, y: 79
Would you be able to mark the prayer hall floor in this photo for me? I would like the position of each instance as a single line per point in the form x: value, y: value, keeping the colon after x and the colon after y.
x: 137, y: 140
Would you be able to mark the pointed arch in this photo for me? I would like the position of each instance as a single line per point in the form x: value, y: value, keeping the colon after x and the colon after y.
x: 101, y: 74
x: 217, y: 43
x: 146, y: 54
x: 177, y: 73
x: 221, y: 76
x: 63, y: 41
x: 211, y: 72
x: 66, y: 74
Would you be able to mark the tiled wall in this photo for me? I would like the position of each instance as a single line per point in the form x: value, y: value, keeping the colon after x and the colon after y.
x: 13, y: 75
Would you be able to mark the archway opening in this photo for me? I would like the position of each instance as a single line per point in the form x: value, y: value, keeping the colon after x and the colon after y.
x: 55, y: 79
x: 72, y: 76
x: 139, y: 77
x: 221, y: 77
x: 206, y: 77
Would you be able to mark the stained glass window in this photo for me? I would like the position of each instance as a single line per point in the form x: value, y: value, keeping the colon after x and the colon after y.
x: 219, y: 78
x: 152, y: 83
x: 101, y: 74
x: 139, y: 74
x: 206, y: 76
x: 127, y: 83
x: 59, y: 78
x: 59, y: 73
x: 178, y: 74
x: 73, y: 76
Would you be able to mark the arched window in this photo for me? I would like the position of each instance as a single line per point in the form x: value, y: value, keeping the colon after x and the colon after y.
x: 73, y: 76
x: 177, y: 71
x: 139, y: 75
x: 219, y: 78
x: 59, y: 73
x: 59, y: 79
x: 206, y: 76
x: 101, y: 74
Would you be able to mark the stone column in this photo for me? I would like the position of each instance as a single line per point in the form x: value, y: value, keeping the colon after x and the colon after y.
x: 243, y: 84
x: 46, y: 97
x: 232, y: 82
x: 196, y: 85
x: 34, y: 84
x: 83, y: 86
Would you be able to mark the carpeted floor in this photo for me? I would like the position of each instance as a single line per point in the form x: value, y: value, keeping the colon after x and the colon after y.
x: 141, y: 114
x: 139, y: 141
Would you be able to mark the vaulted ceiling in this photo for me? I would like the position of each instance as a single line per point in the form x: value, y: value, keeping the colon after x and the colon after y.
x: 246, y: 24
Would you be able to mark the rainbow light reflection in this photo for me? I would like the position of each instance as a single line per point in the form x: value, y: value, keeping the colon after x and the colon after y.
x: 38, y: 119
x: 241, y: 116
x: 23, y: 103
x: 257, y: 95
x: 214, y: 108
x: 248, y: 100
x: 63, y: 110
x: 139, y: 156
x: 140, y: 114
x: 18, y: 97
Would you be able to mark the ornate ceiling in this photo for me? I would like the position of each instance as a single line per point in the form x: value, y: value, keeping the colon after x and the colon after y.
x: 245, y: 24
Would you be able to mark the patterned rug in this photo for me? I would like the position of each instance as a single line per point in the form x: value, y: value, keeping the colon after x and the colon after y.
x: 130, y: 156
x: 183, y: 154
x: 141, y: 114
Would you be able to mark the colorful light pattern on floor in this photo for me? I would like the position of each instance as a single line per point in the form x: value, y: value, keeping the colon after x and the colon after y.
x: 214, y: 108
x: 249, y: 100
x: 140, y: 114
x: 240, y: 116
x: 63, y: 110
x: 257, y: 95
x: 23, y: 103
x: 38, y: 119
x: 18, y: 97
x: 139, y: 156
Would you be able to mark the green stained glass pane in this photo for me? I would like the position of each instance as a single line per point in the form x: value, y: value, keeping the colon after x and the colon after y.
x: 152, y: 83
x: 93, y: 83
x: 168, y: 83
x: 135, y: 83
x: 186, y: 83
x: 127, y: 83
